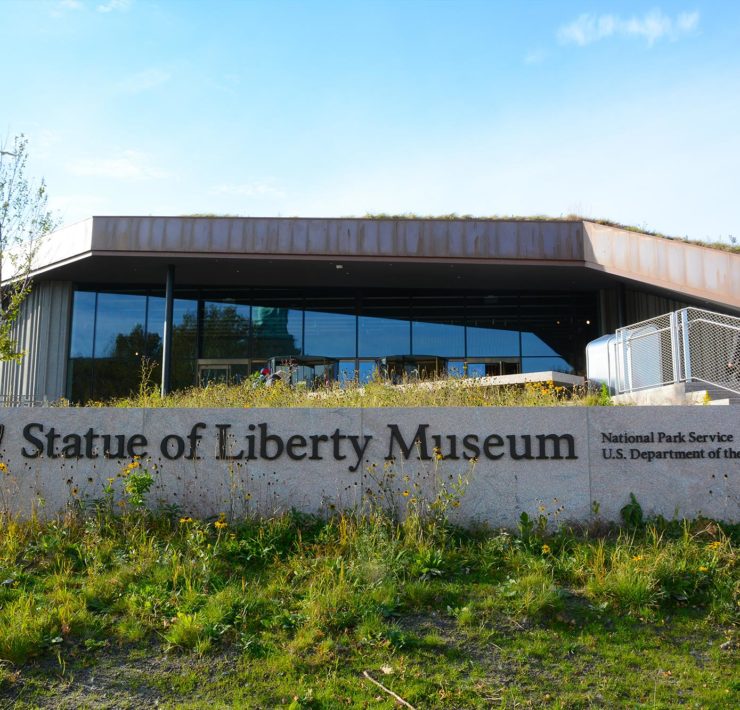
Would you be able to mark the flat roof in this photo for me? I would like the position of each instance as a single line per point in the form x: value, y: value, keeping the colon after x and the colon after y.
x: 440, y: 253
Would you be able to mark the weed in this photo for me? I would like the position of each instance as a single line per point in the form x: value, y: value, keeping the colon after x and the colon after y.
x: 632, y: 513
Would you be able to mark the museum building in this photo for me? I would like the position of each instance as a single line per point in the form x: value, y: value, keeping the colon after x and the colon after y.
x: 206, y: 299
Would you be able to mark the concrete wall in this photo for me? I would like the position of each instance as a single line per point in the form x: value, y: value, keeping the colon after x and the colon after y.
x: 676, y: 460
x: 42, y: 332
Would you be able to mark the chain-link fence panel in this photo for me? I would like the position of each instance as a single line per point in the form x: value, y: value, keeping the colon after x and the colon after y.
x: 713, y: 348
x: 645, y: 354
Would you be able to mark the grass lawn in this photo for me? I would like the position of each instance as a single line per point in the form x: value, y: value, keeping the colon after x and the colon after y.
x: 103, y: 610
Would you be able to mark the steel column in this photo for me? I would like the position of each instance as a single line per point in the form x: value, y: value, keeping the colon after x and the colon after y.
x: 167, y: 340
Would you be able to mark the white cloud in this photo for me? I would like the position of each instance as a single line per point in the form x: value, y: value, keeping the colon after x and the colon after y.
x: 129, y: 165
x: 144, y: 81
x: 535, y: 56
x: 64, y: 6
x: 113, y: 5
x: 653, y: 26
x: 255, y: 189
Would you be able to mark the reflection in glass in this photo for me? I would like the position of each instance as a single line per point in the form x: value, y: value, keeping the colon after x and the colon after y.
x: 330, y: 334
x: 367, y: 371
x: 80, y: 370
x: 277, y: 331
x: 533, y: 344
x: 80, y: 380
x: 419, y: 334
x: 438, y: 326
x: 120, y: 343
x: 83, y: 324
x: 119, y: 330
x: 225, y: 330
x: 493, y: 325
x: 487, y: 342
x: 438, y: 339
x: 383, y: 336
x: 346, y: 371
x: 543, y: 364
x: 184, y: 339
x: 184, y: 342
x: 476, y: 369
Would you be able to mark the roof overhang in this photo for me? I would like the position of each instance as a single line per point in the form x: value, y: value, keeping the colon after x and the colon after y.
x: 363, y: 252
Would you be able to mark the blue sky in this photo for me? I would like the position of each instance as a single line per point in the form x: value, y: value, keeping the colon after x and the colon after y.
x: 621, y: 110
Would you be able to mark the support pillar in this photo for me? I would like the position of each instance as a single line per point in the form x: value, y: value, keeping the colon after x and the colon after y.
x: 167, y: 340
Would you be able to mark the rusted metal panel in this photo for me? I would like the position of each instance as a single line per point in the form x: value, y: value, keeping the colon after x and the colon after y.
x: 707, y: 274
x: 693, y: 270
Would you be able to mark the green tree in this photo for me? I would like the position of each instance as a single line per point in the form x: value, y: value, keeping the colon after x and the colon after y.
x: 24, y: 220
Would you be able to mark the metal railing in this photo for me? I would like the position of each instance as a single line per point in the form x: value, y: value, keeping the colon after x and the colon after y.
x: 689, y: 345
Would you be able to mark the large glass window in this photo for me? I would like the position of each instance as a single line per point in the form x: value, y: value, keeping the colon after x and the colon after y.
x: 184, y: 342
x: 384, y: 327
x: 83, y: 324
x: 424, y: 333
x: 225, y: 330
x: 120, y: 327
x: 120, y: 343
x: 330, y: 327
x: 492, y: 326
x: 557, y: 325
x: 438, y: 327
x: 533, y: 344
x: 184, y: 339
x: 80, y: 371
x: 277, y: 325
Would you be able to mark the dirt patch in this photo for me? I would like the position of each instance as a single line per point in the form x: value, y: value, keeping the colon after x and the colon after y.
x: 115, y: 678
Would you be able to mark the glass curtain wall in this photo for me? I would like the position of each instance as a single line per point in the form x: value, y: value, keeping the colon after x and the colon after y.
x: 399, y: 332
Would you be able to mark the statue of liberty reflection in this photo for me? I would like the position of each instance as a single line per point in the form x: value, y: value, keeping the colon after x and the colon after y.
x: 271, y: 334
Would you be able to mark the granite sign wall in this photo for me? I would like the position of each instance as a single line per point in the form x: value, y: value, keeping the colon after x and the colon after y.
x: 568, y: 463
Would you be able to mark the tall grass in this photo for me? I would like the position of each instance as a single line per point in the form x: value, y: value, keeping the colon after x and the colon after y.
x: 299, y: 581
x: 441, y: 392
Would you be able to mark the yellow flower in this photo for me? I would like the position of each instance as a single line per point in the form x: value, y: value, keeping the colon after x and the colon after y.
x: 703, y: 569
x: 637, y: 558
x: 715, y: 545
x: 220, y: 524
x: 405, y: 494
x: 183, y: 521
x: 455, y: 503
x: 248, y: 496
x: 3, y: 467
x: 546, y: 549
